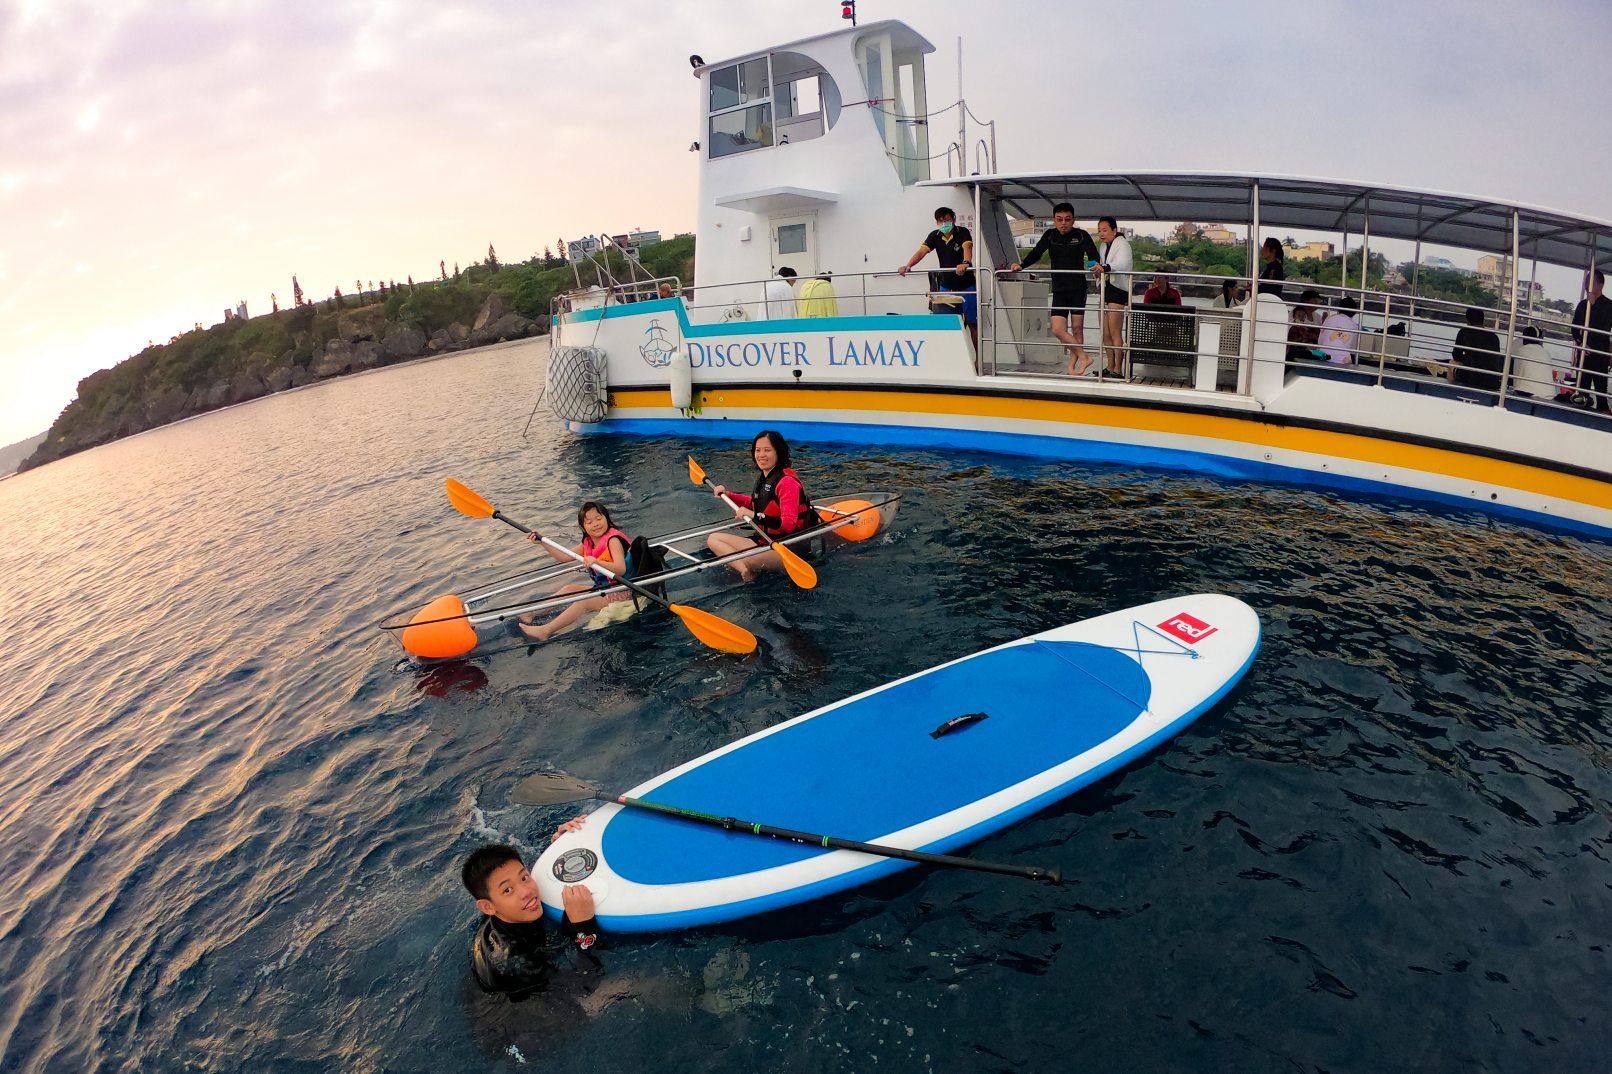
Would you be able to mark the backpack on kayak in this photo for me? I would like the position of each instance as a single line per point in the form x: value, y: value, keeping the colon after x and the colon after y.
x: 644, y: 559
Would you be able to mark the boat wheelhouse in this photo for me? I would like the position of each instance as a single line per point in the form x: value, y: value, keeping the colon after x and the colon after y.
x: 820, y: 155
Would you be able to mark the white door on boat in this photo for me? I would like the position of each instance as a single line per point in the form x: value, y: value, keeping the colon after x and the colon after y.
x: 794, y: 243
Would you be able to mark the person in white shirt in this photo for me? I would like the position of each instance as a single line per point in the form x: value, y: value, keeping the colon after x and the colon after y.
x: 1338, y: 333
x: 1531, y: 370
x: 1113, y: 269
x: 778, y: 295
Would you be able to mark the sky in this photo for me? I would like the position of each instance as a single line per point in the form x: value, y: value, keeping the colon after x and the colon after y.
x: 161, y: 161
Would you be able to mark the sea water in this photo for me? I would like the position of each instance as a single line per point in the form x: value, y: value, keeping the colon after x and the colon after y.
x: 231, y: 822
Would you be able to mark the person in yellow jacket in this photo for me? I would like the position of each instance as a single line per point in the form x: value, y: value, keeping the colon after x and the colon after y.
x: 816, y: 298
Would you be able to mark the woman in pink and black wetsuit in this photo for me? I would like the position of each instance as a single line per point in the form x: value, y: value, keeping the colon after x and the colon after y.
x: 779, y: 504
x: 601, y: 543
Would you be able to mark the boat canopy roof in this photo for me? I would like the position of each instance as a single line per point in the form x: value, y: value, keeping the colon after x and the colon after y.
x: 901, y: 36
x: 1457, y: 220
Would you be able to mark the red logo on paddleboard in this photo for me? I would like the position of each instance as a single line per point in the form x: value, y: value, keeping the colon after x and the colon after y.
x: 1188, y: 628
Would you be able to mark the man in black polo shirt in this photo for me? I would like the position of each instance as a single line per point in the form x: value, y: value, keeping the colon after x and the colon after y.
x: 1592, y: 332
x: 953, y: 248
x: 1070, y: 250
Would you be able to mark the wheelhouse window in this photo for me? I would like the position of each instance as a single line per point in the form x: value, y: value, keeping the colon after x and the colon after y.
x: 773, y: 100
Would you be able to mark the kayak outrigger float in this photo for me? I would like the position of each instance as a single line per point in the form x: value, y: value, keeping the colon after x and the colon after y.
x: 453, y: 625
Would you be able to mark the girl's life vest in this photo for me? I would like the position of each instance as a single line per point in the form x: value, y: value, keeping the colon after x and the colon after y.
x: 601, y: 550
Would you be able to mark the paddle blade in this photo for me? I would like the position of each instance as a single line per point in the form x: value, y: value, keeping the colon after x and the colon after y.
x: 800, y: 572
x: 468, y: 500
x: 696, y: 476
x: 714, y: 631
x: 550, y: 788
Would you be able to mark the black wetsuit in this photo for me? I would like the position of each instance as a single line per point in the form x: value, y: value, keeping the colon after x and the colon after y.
x: 1067, y: 253
x: 1596, y: 341
x: 514, y: 959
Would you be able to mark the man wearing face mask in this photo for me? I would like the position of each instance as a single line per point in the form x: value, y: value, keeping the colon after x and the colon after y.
x: 953, y: 248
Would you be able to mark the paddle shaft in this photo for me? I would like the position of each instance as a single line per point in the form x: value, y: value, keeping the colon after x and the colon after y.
x: 606, y: 571
x: 733, y: 824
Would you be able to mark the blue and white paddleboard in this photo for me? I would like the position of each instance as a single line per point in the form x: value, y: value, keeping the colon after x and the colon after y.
x: 1061, y: 709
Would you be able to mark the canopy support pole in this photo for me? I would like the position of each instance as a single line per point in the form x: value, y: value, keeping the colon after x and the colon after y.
x: 1511, y: 324
x: 1245, y: 375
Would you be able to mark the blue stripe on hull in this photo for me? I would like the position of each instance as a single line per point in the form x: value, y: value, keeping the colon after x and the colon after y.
x: 1075, y: 450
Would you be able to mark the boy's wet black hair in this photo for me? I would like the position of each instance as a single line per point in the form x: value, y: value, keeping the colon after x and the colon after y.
x: 483, y: 863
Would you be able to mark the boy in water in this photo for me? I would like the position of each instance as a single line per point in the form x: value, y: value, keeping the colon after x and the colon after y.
x: 511, y: 952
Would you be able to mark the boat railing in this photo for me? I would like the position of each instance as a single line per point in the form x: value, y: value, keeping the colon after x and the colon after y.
x: 1204, y: 342
x: 853, y: 294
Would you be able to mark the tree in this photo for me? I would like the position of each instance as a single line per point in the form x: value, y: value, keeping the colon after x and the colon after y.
x: 296, y: 292
x: 456, y: 270
x: 411, y: 285
x: 559, y: 249
x: 274, y: 303
x: 548, y: 256
x: 336, y: 302
x: 443, y: 265
x: 492, y: 256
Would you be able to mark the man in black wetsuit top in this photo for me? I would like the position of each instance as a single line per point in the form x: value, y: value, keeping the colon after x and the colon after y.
x: 1071, y: 250
x: 953, y: 247
x: 512, y: 953
x: 1592, y: 336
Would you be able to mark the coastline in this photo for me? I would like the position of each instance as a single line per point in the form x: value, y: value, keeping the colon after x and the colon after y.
x: 339, y: 378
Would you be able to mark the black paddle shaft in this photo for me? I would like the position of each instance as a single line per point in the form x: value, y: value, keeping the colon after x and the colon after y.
x: 619, y: 579
x: 733, y: 824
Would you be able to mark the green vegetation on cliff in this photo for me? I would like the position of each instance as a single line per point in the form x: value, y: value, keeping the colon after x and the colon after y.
x: 229, y: 363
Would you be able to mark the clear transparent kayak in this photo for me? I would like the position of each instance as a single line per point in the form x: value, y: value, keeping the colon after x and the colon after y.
x: 455, y: 625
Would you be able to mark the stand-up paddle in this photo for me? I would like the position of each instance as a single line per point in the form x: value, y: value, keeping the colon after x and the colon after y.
x: 554, y: 788
x: 713, y: 630
x: 800, y: 572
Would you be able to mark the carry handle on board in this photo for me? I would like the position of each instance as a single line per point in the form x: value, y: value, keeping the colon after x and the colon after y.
x: 555, y: 788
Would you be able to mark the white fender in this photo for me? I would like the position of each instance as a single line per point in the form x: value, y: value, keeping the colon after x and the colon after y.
x: 680, y: 378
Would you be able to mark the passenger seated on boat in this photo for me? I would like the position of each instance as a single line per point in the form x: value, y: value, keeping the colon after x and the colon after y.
x: 1233, y: 293
x: 1160, y: 293
x: 953, y: 247
x: 817, y: 298
x: 511, y: 954
x: 1304, y: 332
x: 1338, y: 330
x: 778, y: 295
x: 601, y: 543
x: 1070, y: 252
x: 1531, y: 371
x: 1477, y: 357
x: 779, y: 504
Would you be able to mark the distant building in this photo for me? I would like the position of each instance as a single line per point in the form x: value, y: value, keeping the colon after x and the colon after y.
x: 1312, y: 251
x: 1440, y: 263
x: 1220, y: 234
x: 577, y: 249
x: 643, y: 238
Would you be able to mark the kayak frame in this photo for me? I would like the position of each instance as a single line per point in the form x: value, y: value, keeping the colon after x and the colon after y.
x: 477, y: 614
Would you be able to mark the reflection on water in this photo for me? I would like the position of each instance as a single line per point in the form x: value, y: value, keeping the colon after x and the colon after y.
x: 230, y: 824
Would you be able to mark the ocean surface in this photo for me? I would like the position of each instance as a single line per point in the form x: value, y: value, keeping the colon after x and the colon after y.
x: 231, y: 821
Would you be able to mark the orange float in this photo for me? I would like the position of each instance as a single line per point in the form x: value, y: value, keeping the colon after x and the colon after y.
x: 864, y: 526
x: 440, y: 630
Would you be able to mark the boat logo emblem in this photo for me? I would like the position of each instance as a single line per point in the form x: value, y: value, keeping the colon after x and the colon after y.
x: 658, y: 350
x: 575, y: 865
x: 1188, y: 628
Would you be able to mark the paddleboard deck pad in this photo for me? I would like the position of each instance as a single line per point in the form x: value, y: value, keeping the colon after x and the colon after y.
x: 931, y: 762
